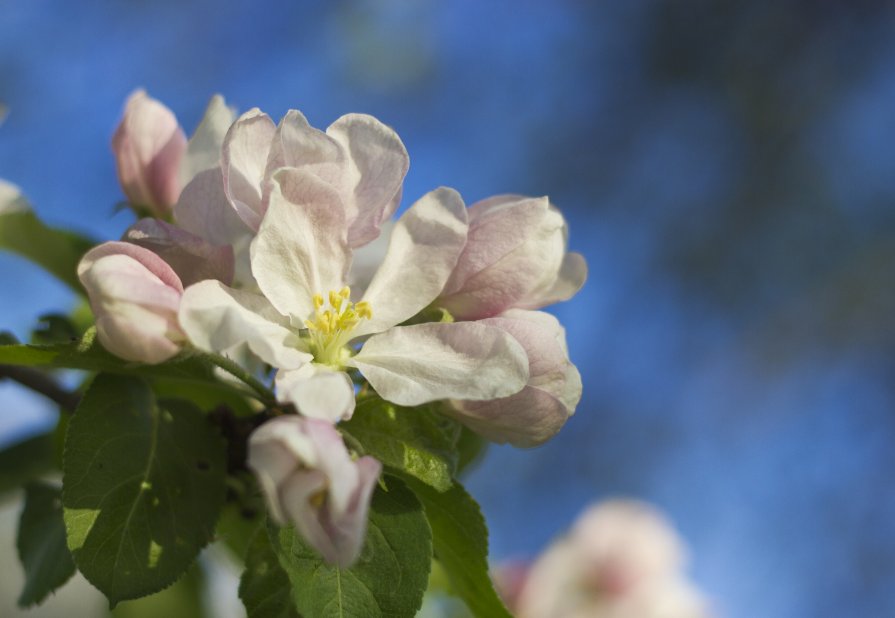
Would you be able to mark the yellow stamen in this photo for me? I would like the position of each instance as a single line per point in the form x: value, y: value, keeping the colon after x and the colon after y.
x: 328, y: 327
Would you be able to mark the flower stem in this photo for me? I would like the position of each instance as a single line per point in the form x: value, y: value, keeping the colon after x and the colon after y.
x: 265, y: 395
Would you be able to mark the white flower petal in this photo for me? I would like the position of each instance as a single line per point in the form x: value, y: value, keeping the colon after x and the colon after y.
x: 411, y: 365
x: 298, y: 144
x: 514, y: 246
x: 204, y: 210
x: 300, y: 249
x: 244, y: 160
x: 377, y: 164
x: 220, y: 319
x: 366, y: 261
x: 203, y: 151
x: 422, y: 252
x: 571, y: 278
x: 317, y: 391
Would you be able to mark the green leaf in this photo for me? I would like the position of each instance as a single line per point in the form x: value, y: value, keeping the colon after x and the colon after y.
x: 460, y: 538
x: 417, y: 442
x: 184, y: 598
x: 57, y: 251
x: 388, y: 579
x: 41, y: 544
x: 264, y: 586
x: 25, y: 461
x: 143, y: 485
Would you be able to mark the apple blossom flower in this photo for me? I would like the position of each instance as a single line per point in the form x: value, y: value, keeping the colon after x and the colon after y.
x: 621, y: 560
x: 149, y: 146
x: 135, y: 296
x: 300, y: 259
x: 308, y: 478
x: 534, y: 414
x: 515, y: 257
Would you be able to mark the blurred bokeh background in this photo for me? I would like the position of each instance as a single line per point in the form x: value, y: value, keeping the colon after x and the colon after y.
x: 727, y: 168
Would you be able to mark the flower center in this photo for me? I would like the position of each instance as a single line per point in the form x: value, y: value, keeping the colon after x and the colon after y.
x: 330, y: 328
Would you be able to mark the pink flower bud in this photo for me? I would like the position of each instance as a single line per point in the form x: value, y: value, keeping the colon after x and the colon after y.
x: 309, y: 479
x: 135, y: 296
x: 534, y: 414
x: 149, y: 146
x: 515, y: 256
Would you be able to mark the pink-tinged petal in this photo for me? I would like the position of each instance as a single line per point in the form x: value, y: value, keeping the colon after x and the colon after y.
x: 192, y: 258
x: 537, y: 412
x: 149, y: 260
x: 300, y: 249
x: 149, y: 146
x: 515, y: 245
x: 350, y: 530
x: 135, y: 296
x: 412, y: 365
x: 422, y: 252
x: 298, y: 144
x: 571, y: 278
x: 223, y: 320
x: 203, y: 151
x: 317, y: 391
x: 244, y: 160
x: 309, y: 478
x: 377, y: 163
x: 527, y: 419
x: 204, y: 210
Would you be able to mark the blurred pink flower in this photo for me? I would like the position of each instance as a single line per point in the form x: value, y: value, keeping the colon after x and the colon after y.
x: 622, y: 559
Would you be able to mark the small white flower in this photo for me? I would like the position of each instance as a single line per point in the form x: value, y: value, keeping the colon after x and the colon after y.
x: 309, y: 478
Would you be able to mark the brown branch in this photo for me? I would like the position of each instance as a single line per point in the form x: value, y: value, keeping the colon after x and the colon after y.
x: 41, y: 383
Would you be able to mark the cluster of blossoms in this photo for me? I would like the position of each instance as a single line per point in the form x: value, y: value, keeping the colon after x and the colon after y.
x: 274, y: 245
x: 621, y: 559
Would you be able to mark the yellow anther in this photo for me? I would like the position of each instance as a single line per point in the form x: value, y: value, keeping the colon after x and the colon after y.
x: 335, y: 300
x: 345, y: 292
x: 318, y: 301
x: 364, y: 310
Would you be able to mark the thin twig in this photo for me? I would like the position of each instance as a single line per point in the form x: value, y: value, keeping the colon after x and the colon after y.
x: 41, y: 383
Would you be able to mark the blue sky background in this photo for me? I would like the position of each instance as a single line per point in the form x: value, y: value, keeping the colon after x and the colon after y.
x: 728, y: 170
